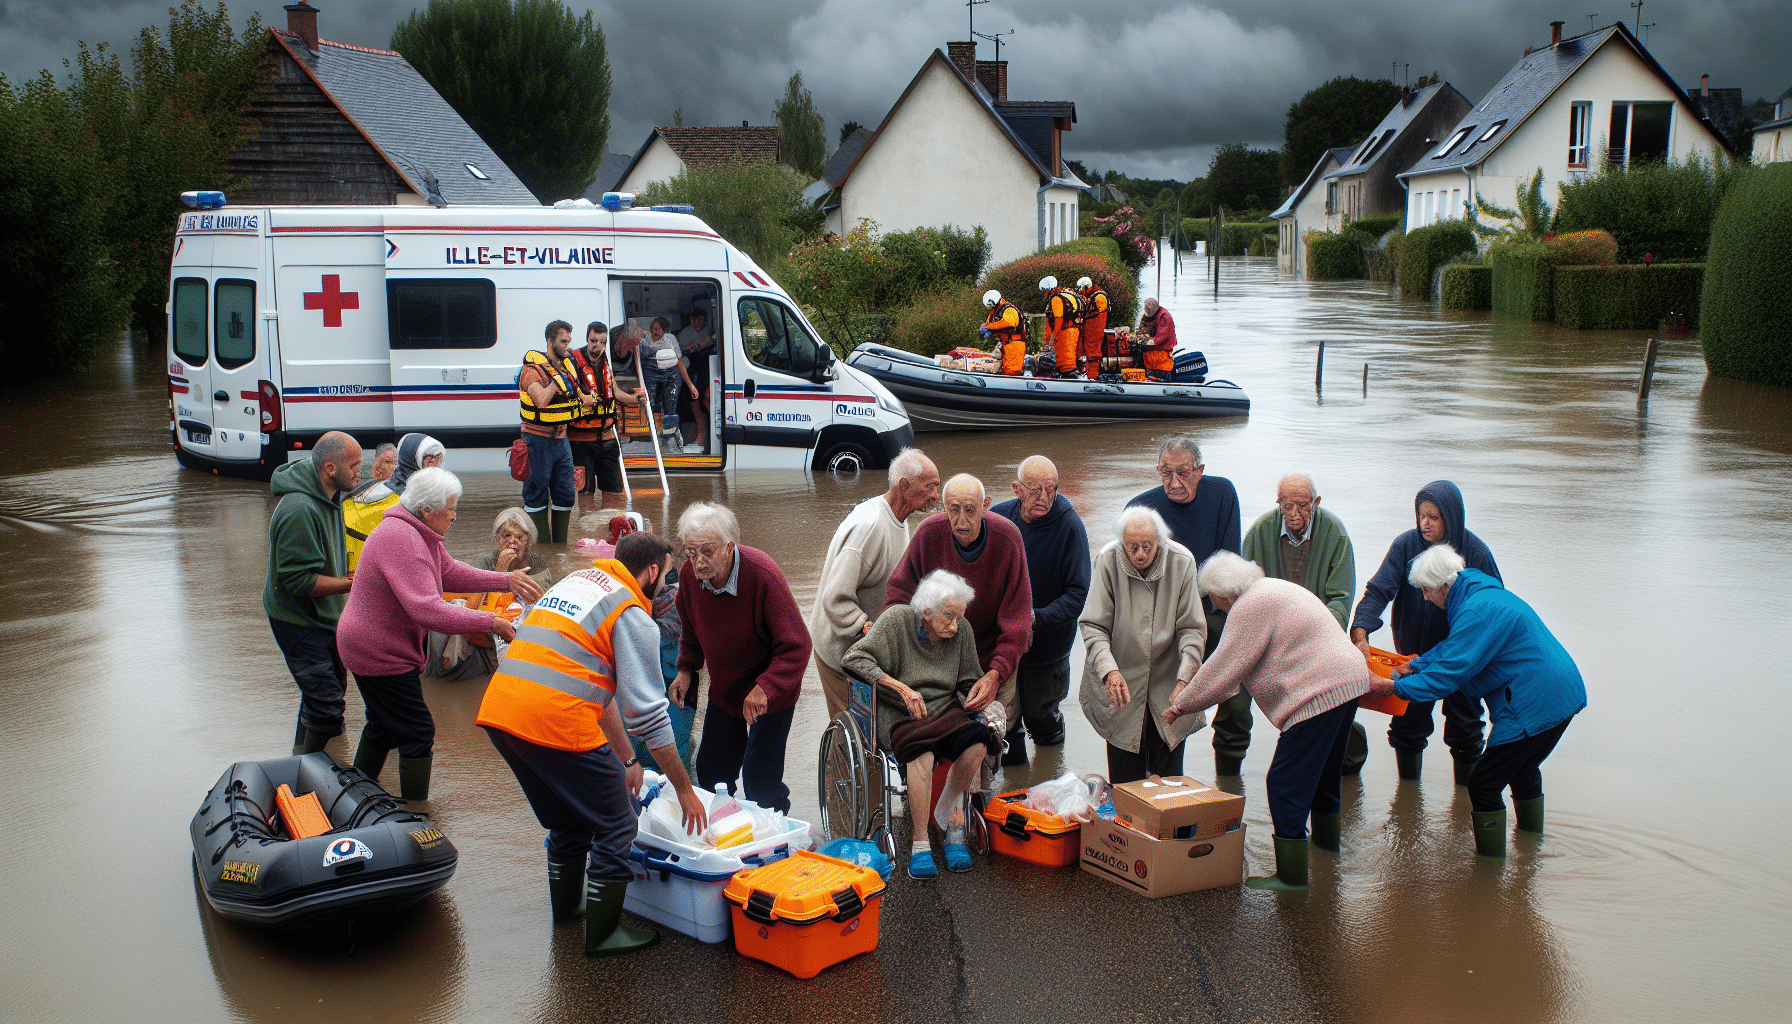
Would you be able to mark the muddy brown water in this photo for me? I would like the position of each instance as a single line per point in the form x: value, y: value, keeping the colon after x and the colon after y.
x: 1657, y: 546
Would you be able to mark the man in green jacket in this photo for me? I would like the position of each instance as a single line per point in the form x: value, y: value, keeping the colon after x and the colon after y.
x: 307, y: 581
x: 1302, y: 543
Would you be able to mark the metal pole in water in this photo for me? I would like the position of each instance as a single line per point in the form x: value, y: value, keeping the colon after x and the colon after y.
x: 1642, y: 388
x: 1319, y: 368
x: 1365, y: 380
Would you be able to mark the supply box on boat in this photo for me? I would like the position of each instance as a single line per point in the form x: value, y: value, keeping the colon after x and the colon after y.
x: 1177, y: 807
x: 806, y: 913
x: 1021, y: 832
x: 1161, y: 867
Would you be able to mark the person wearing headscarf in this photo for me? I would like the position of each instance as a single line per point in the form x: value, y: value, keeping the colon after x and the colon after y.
x: 366, y: 505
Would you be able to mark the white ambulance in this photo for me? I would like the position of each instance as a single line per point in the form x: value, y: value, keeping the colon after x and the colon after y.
x: 286, y: 322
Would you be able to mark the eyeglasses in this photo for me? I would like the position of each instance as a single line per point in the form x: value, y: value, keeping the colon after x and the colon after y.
x: 1049, y: 490
x: 1297, y: 506
x: 1179, y: 474
x: 707, y: 552
x: 962, y: 511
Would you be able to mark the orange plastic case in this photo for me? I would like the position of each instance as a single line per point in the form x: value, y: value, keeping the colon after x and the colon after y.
x: 303, y: 815
x: 1023, y: 833
x: 1383, y: 663
x: 805, y: 913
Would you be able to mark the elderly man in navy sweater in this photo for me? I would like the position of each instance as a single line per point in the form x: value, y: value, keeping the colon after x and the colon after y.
x: 1202, y: 512
x: 1058, y: 569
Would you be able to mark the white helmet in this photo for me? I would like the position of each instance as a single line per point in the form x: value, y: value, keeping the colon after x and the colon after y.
x: 1083, y: 282
x: 991, y: 297
x: 1047, y: 283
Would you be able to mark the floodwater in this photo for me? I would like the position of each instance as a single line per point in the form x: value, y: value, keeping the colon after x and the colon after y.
x: 1655, y: 545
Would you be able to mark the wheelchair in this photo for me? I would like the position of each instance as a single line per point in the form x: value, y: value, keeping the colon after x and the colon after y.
x: 860, y: 783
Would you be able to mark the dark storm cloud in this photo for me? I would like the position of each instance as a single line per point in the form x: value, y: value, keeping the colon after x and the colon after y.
x: 1158, y: 84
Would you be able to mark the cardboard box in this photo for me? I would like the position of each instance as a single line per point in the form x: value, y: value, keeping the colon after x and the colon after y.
x: 1162, y: 867
x: 1177, y: 807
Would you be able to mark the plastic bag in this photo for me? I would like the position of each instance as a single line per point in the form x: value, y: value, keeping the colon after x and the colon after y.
x: 1067, y: 796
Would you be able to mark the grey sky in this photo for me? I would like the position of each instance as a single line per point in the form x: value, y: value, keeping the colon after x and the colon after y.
x: 1157, y: 84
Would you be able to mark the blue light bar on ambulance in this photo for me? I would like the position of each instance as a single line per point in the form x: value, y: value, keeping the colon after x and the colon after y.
x: 673, y: 208
x: 617, y: 200
x: 203, y: 200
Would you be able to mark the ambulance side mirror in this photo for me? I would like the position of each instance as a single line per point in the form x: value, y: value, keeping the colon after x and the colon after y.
x: 824, y: 364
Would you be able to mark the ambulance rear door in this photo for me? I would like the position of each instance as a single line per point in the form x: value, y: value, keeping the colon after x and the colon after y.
x: 215, y: 334
x: 330, y: 282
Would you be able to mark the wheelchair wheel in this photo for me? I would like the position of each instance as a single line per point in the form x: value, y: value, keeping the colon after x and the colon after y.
x: 976, y: 826
x: 840, y: 767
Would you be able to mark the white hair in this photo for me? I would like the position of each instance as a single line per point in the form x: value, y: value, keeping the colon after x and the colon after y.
x: 709, y: 517
x: 1180, y: 443
x: 1304, y: 478
x: 938, y: 587
x: 1436, y: 569
x: 908, y: 464
x: 982, y: 495
x: 428, y: 490
x: 1035, y: 462
x: 1227, y: 575
x: 1139, y: 513
x: 514, y: 516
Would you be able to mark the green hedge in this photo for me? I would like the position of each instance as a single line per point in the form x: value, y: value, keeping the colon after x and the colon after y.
x: 1747, y: 319
x: 1089, y: 245
x: 1377, y: 226
x: 1019, y: 282
x: 1425, y: 249
x: 1236, y: 239
x: 1523, y: 279
x: 1265, y: 245
x: 1468, y: 286
x: 1628, y: 297
x: 940, y: 321
x: 1336, y: 255
x: 1664, y: 210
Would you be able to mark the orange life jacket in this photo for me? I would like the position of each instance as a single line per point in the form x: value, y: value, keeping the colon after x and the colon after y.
x: 603, y: 412
x: 501, y: 603
x: 1069, y: 309
x: 554, y: 683
x: 1011, y: 337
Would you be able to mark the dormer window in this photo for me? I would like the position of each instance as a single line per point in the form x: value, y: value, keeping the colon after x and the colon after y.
x: 476, y: 172
x: 1444, y: 150
x: 1492, y: 130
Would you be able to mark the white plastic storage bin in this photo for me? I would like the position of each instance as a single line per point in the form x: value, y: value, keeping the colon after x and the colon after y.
x: 681, y: 886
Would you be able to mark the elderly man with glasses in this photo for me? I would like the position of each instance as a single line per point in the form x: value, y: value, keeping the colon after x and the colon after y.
x: 742, y: 623
x: 1202, y: 513
x: 1058, y: 569
x: 1300, y: 542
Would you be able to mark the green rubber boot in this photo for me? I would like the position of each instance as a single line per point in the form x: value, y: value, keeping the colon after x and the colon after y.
x: 605, y: 934
x: 1291, y: 868
x: 413, y: 777
x: 566, y: 890
x: 561, y: 519
x: 369, y: 759
x: 1463, y: 767
x: 542, y: 530
x: 312, y: 742
x: 1409, y: 762
x: 1326, y: 830
x: 1490, y: 833
x: 1530, y: 815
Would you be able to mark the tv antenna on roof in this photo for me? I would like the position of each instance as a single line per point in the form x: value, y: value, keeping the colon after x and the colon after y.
x: 971, y: 9
x: 1646, y: 27
x: 1590, y: 18
x: 994, y: 37
x: 1638, y: 5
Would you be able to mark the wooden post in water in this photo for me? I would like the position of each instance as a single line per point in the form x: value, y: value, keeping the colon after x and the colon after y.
x: 1319, y: 368
x: 1365, y: 380
x: 1642, y: 388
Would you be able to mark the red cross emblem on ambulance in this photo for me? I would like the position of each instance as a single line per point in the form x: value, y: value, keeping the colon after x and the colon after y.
x: 332, y: 300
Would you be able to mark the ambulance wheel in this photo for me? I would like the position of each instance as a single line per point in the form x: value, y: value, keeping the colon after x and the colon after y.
x: 846, y: 457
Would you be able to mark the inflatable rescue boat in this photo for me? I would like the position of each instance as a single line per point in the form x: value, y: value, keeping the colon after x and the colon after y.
x: 297, y: 841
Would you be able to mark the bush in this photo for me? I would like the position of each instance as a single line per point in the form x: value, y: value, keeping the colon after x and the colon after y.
x: 1125, y: 227
x: 1375, y: 227
x: 1019, y: 283
x: 1628, y: 296
x: 939, y: 321
x: 1094, y: 245
x: 1425, y: 249
x: 1336, y: 255
x: 1583, y: 248
x: 1236, y: 239
x: 966, y: 252
x: 1467, y: 286
x: 1662, y: 209
x: 864, y: 274
x: 1523, y: 279
x: 1265, y: 245
x: 1747, y: 330
x: 757, y: 207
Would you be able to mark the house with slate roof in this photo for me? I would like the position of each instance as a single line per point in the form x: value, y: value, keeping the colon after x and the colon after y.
x: 669, y: 150
x: 1306, y: 209
x: 1367, y: 185
x: 1566, y: 108
x: 610, y: 169
x: 837, y: 165
x: 954, y: 149
x: 1773, y: 138
x: 351, y: 125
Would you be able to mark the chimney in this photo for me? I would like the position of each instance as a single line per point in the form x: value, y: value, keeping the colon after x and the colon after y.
x: 993, y: 76
x: 1423, y: 81
x: 1705, y: 86
x: 1555, y: 33
x: 1405, y: 96
x: 964, y: 58
x: 301, y: 21
x: 744, y: 124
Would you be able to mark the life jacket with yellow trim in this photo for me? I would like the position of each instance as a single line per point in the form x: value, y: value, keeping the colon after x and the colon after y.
x: 553, y: 684
x: 1095, y: 302
x: 603, y: 413
x: 1070, y: 308
x: 1004, y: 322
x: 361, y: 515
x: 565, y: 407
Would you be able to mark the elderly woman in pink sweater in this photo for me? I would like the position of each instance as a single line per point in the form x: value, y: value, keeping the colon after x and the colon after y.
x: 396, y: 600
x: 1283, y: 647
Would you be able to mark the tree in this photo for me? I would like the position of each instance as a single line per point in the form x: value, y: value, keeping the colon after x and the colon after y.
x: 1237, y: 172
x: 847, y: 129
x: 758, y: 207
x: 802, y: 131
x: 531, y: 78
x: 1342, y: 112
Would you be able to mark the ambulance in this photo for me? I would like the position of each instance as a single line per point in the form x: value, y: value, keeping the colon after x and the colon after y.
x: 289, y: 321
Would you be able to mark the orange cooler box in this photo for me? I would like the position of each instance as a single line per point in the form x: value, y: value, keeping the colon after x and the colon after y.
x: 1383, y: 663
x: 805, y: 913
x: 1019, y: 831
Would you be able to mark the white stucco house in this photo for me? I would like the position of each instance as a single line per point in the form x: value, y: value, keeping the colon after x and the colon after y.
x: 1773, y: 139
x: 669, y: 149
x: 955, y: 150
x: 1306, y: 209
x: 1566, y: 108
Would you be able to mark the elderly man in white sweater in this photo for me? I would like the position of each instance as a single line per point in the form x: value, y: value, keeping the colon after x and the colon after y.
x: 1284, y: 648
x: 866, y: 548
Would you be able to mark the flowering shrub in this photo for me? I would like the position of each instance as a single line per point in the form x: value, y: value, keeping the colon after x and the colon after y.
x: 1126, y: 227
x: 1582, y: 248
x: 842, y: 280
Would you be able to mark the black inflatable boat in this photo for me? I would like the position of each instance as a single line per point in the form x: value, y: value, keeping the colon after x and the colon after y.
x: 377, y: 856
x: 938, y: 398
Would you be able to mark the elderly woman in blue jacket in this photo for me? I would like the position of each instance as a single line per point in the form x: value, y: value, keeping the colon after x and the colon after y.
x: 1500, y: 651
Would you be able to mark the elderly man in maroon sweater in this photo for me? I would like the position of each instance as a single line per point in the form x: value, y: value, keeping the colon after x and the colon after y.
x: 740, y: 620
x: 988, y: 552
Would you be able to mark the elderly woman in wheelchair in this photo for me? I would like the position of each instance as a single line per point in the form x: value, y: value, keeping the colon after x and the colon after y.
x: 923, y: 659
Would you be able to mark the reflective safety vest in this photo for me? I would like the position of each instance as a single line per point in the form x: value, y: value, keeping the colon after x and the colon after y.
x: 603, y: 413
x: 1095, y: 303
x: 565, y: 406
x: 361, y: 514
x: 553, y: 684
x: 1068, y: 311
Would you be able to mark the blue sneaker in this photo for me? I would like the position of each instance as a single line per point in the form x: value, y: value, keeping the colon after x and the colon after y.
x: 958, y: 858
x: 920, y: 865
